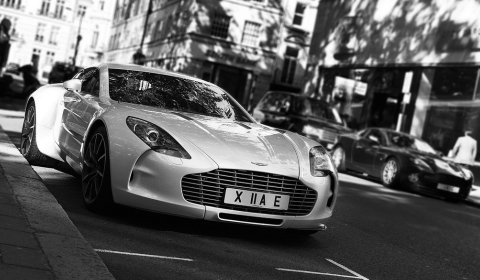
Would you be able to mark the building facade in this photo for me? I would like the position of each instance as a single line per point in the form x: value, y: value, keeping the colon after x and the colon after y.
x: 407, y: 65
x: 239, y: 45
x: 45, y: 31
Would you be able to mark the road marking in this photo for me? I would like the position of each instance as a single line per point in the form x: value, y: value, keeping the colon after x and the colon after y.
x: 357, y: 276
x: 349, y: 270
x: 142, y: 255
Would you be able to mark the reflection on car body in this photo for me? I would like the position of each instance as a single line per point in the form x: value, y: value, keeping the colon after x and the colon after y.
x: 169, y: 143
x: 312, y: 118
x: 401, y: 160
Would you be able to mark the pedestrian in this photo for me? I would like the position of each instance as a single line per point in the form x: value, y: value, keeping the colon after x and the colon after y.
x: 465, y: 149
x: 5, y: 25
x: 138, y: 57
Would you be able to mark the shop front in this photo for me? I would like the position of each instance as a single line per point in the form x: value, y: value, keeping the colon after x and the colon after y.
x: 443, y: 102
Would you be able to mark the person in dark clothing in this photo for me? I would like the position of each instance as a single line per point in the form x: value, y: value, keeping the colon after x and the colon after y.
x: 30, y: 81
x: 139, y: 57
x: 5, y: 25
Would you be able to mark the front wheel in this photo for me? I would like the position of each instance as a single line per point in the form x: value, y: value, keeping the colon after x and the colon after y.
x: 28, y: 142
x: 96, y: 188
x: 391, y: 173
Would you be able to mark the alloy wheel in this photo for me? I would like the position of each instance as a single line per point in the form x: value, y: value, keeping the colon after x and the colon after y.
x: 95, y: 160
x: 390, y: 171
x: 28, y: 131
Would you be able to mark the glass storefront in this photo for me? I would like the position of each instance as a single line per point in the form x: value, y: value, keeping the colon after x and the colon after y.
x: 444, y: 102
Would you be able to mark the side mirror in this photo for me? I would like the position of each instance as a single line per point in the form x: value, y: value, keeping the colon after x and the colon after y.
x: 73, y: 85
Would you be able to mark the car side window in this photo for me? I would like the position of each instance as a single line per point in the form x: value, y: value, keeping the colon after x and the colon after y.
x: 90, y: 81
x: 279, y: 103
x: 375, y: 135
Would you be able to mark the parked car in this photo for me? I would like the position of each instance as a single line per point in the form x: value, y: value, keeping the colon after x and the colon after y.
x: 401, y: 160
x: 61, y: 72
x: 170, y: 143
x: 12, y: 68
x: 309, y: 117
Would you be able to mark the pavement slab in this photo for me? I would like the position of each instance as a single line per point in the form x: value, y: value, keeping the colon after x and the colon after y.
x: 37, y: 239
x: 15, y: 272
x: 21, y: 256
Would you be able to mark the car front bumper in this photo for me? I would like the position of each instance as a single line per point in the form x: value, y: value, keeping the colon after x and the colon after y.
x: 155, y: 183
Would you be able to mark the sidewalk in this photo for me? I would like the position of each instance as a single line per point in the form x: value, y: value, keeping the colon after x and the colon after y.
x: 37, y: 239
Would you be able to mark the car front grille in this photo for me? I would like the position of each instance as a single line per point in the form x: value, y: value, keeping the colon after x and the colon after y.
x: 446, y: 179
x: 209, y: 189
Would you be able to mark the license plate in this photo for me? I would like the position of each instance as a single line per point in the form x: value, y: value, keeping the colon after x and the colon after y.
x: 448, y: 188
x: 256, y: 199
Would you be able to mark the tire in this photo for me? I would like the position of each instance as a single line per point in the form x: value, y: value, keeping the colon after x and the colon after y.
x: 96, y: 184
x: 28, y: 142
x: 338, y: 157
x: 390, y: 175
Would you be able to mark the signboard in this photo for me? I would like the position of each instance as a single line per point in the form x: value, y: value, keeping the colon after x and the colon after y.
x: 351, y: 86
x: 407, y: 83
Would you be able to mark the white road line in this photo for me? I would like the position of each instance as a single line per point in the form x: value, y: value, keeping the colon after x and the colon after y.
x: 318, y: 273
x: 349, y: 270
x: 142, y: 255
x: 357, y: 276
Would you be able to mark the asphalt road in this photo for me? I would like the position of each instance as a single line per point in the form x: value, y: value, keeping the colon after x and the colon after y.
x: 375, y: 233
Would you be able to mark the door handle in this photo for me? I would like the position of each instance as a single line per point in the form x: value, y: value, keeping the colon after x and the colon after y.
x: 71, y: 99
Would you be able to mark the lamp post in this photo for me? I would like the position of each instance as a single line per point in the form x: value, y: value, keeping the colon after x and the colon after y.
x: 79, y: 38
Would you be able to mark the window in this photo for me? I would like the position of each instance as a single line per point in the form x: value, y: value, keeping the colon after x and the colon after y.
x: 172, y: 93
x: 376, y: 136
x: 275, y: 102
x: 45, y: 7
x: 36, y: 57
x: 90, y: 81
x: 50, y: 58
x: 289, y: 65
x: 94, y: 39
x: 158, y: 31
x: 15, y: 4
x: 136, y: 6
x: 53, y: 35
x: 40, y: 31
x: 219, y: 26
x: 299, y: 14
x: 59, y: 9
x: 251, y: 33
x: 81, y: 10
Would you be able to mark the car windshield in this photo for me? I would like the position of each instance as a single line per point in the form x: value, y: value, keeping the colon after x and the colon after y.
x: 318, y: 110
x: 172, y: 93
x: 405, y: 141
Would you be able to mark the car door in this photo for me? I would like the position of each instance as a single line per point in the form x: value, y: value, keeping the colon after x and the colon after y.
x: 78, y: 110
x: 365, y: 149
x: 273, y: 109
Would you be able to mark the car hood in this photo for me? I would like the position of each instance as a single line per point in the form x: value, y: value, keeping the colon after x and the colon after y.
x: 436, y: 163
x: 325, y: 124
x: 231, y: 144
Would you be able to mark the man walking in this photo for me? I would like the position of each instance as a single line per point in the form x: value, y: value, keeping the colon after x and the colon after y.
x: 465, y: 149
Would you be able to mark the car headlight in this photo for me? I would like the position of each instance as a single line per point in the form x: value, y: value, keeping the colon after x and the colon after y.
x: 467, y: 174
x: 321, y: 163
x: 156, y: 138
x: 421, y: 164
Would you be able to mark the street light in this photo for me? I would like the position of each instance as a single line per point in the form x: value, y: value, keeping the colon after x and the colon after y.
x: 79, y: 38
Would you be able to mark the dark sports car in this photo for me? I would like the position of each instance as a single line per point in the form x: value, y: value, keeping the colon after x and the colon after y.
x: 401, y: 160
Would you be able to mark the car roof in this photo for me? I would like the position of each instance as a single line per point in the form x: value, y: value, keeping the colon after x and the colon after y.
x: 140, y: 68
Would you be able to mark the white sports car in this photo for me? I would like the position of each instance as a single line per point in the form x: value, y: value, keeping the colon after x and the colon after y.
x: 173, y: 144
